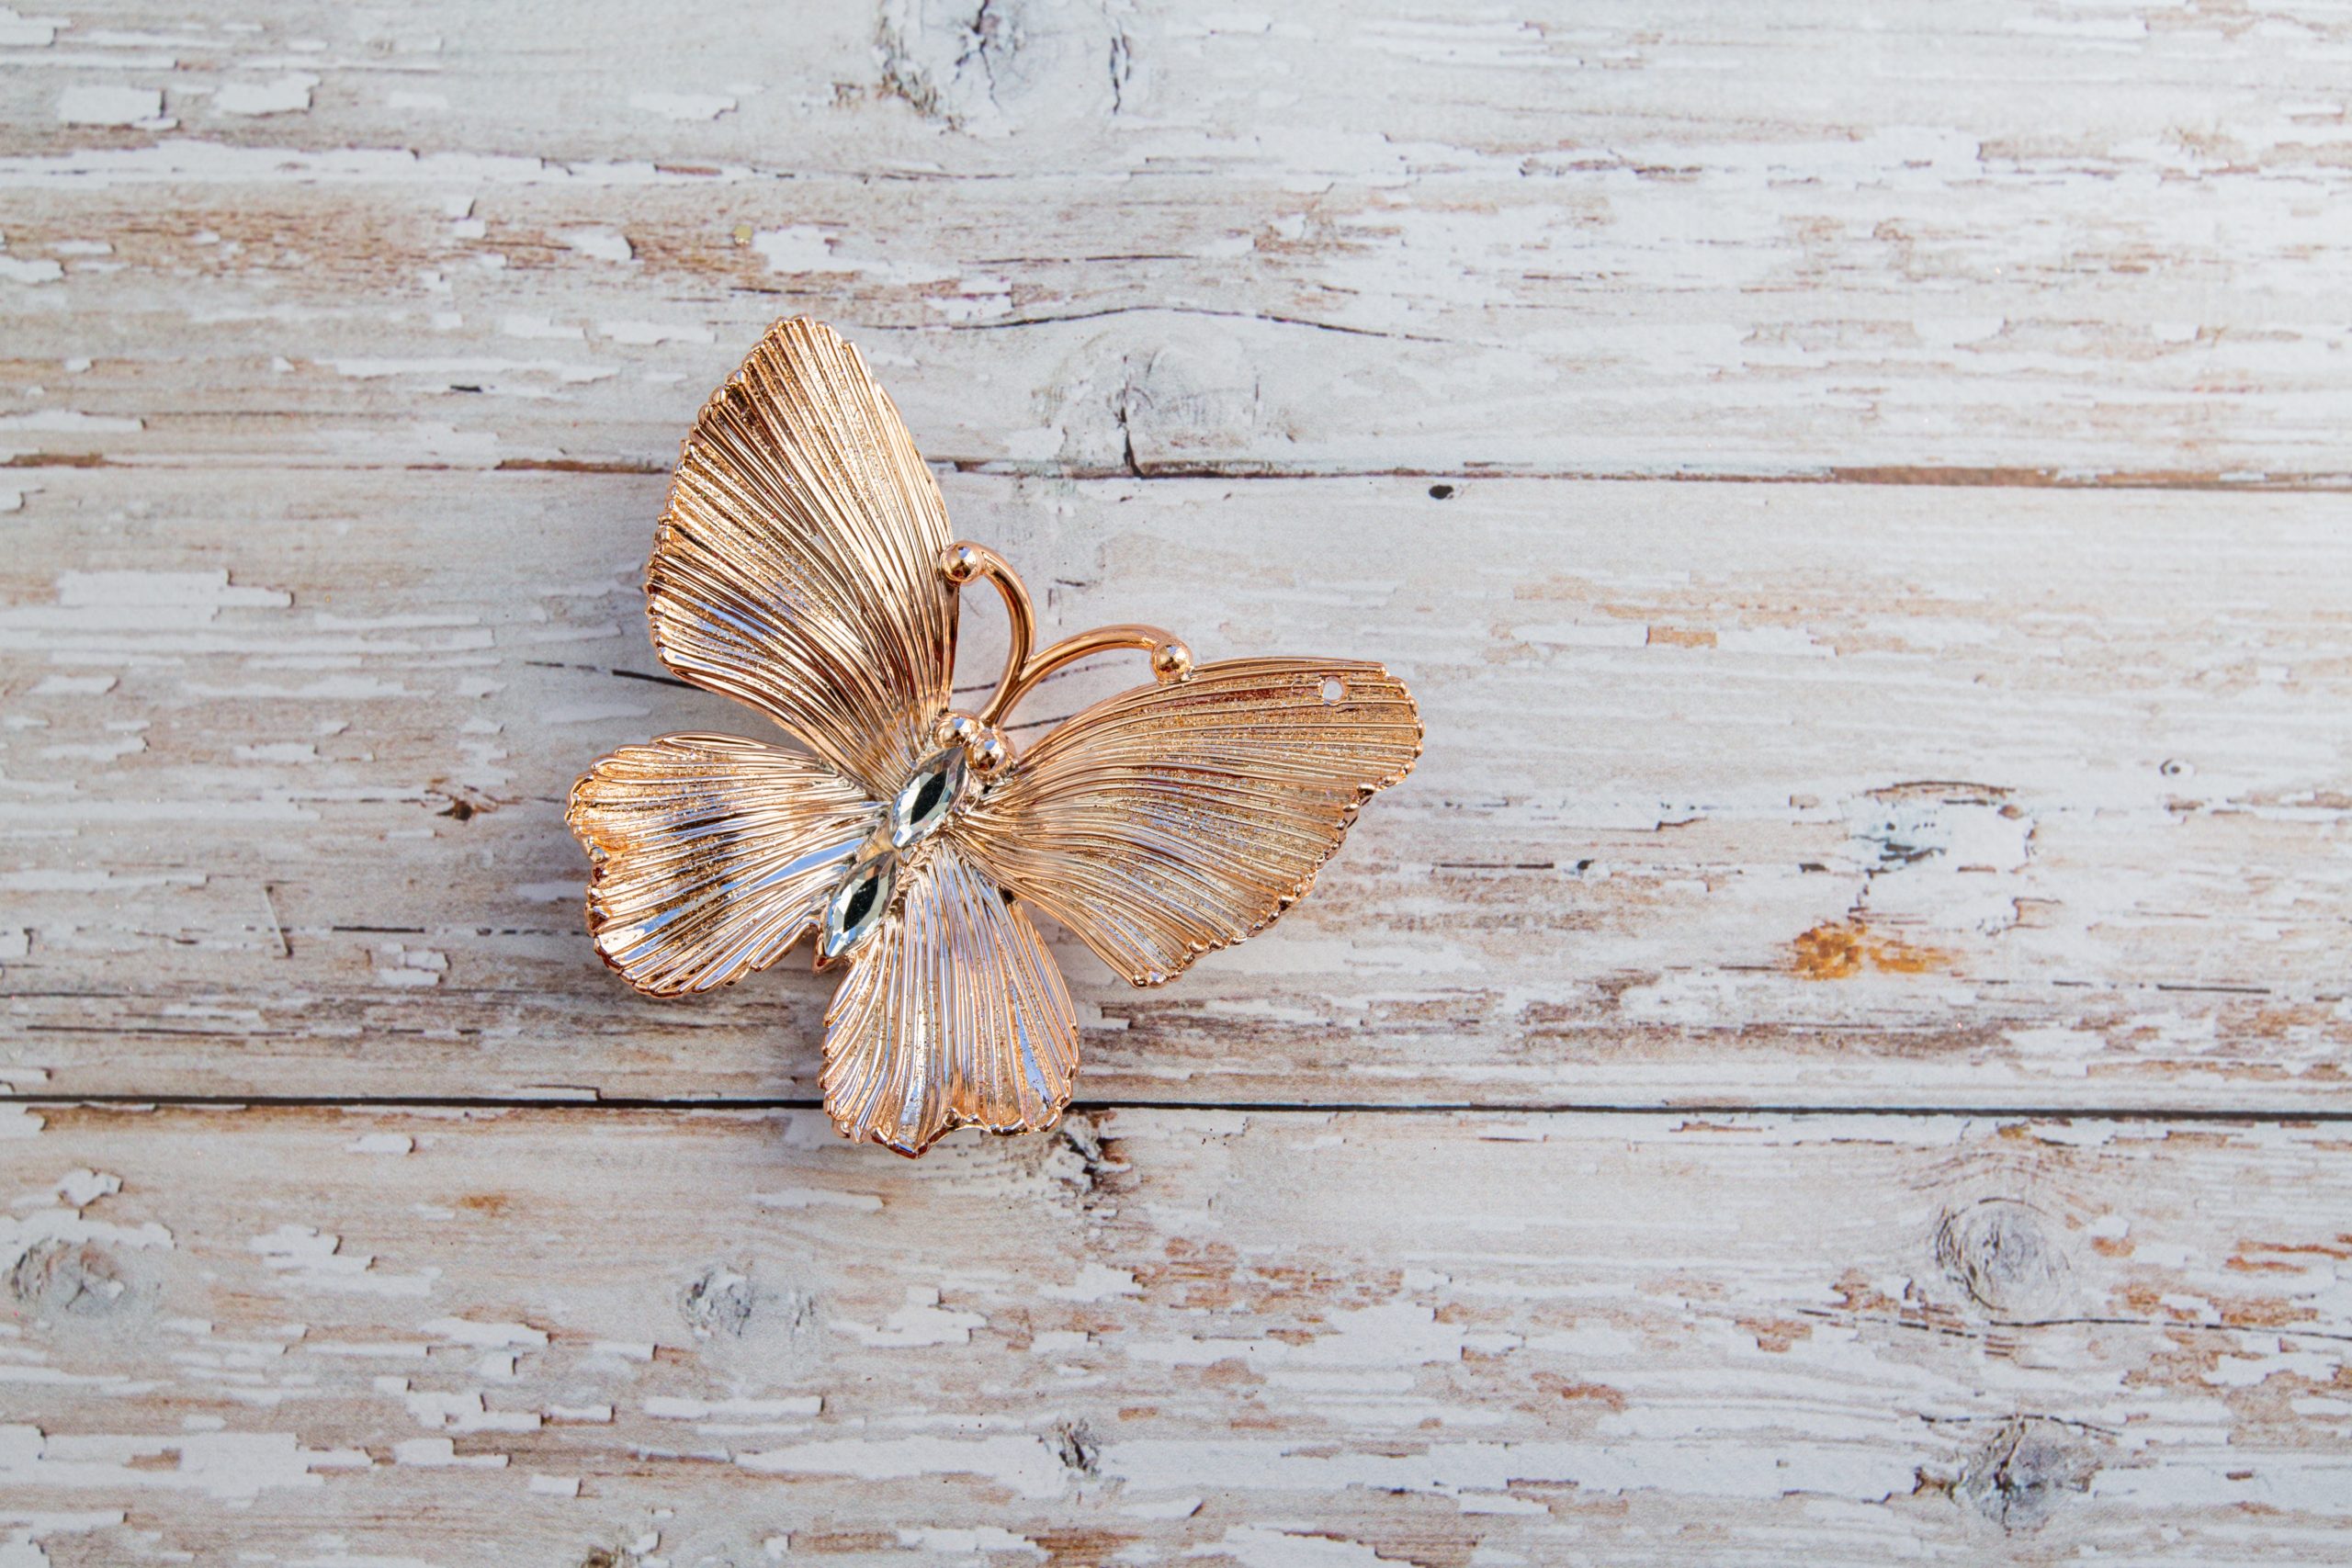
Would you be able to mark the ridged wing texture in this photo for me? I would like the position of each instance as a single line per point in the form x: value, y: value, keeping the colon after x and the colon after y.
x: 953, y: 1012
x: 797, y: 568
x: 713, y: 855
x: 1170, y: 820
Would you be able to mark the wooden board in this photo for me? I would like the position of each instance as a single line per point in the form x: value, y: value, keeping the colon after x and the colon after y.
x: 2008, y: 242
x: 1716, y: 806
x: 1967, y: 755
x: 1175, y: 1337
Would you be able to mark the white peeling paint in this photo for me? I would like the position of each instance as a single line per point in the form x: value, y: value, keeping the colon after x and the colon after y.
x: 967, y: 1543
x: 671, y: 1408
x: 600, y: 244
x: 464, y: 1412
x: 306, y: 1258
x: 141, y: 106
x: 1254, y: 1545
x: 290, y: 93
x: 71, y: 421
x: 465, y: 1331
x: 382, y: 1144
x: 231, y: 1466
x: 923, y: 1321
x: 22, y: 1231
x: 80, y: 1188
x: 1024, y: 1464
x: 682, y: 105
x: 646, y: 332
x: 20, y: 31
x: 441, y: 1453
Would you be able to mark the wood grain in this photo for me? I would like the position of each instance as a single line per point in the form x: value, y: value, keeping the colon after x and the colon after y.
x: 2022, y: 241
x: 1174, y: 1337
x: 1974, y: 747
x: 1732, y: 793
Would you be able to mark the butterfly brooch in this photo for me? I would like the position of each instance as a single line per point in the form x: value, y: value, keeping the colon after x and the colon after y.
x: 804, y: 565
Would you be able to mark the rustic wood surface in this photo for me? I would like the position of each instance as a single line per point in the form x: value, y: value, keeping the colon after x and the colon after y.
x: 1817, y: 794
x: 1838, y: 1054
x: 1264, y: 1337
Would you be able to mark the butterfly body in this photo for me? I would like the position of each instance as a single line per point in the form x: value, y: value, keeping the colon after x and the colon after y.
x: 803, y: 565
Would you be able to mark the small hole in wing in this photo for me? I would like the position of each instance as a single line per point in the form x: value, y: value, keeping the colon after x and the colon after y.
x: 1333, y: 688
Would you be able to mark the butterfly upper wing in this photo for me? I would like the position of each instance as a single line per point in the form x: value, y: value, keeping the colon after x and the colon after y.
x: 1170, y: 820
x: 796, y: 564
x: 953, y: 1012
x: 713, y: 855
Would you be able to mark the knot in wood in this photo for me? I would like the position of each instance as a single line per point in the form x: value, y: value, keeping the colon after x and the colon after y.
x: 2001, y: 1252
x: 2022, y: 1473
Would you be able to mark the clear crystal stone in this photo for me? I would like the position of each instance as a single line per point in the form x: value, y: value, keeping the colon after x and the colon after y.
x: 927, y: 796
x: 858, y: 904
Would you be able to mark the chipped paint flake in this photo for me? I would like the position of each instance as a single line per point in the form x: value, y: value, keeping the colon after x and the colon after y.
x: 306, y: 1258
x: 1024, y: 1464
x: 290, y: 93
x: 140, y: 107
x: 921, y: 1320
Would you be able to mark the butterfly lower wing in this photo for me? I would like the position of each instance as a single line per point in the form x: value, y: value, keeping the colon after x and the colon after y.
x: 713, y: 855
x: 796, y: 564
x: 953, y: 1013
x: 1171, y: 821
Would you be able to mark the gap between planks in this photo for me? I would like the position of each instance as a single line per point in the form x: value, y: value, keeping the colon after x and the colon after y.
x: 2241, y: 1117
x: 2222, y: 481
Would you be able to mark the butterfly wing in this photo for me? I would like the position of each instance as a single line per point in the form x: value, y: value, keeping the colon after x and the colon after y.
x: 713, y: 855
x: 1171, y: 821
x: 796, y: 564
x: 953, y: 1012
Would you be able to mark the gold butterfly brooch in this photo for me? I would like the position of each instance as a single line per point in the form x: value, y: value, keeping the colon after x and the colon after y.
x: 804, y: 565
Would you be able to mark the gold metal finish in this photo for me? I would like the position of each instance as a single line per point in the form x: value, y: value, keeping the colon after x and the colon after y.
x: 797, y: 565
x: 963, y: 563
x: 804, y: 566
x: 713, y: 855
x: 954, y: 1013
x: 1170, y: 820
x: 1070, y: 650
x: 991, y: 753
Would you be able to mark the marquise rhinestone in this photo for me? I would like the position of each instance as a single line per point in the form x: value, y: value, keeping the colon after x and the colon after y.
x: 858, y: 904
x: 929, y: 795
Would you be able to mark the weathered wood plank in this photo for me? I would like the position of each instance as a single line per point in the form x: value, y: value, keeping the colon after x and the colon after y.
x: 1163, y: 1337
x: 2023, y: 241
x: 1751, y: 794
